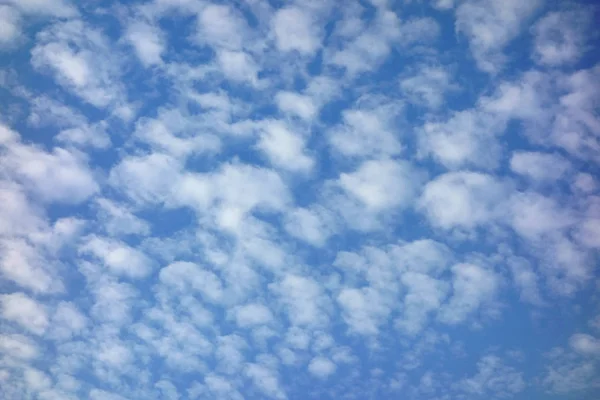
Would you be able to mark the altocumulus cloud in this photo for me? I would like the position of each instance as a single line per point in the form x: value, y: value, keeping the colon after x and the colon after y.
x: 204, y: 199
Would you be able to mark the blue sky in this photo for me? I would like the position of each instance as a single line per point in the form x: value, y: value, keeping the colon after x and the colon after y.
x: 299, y: 199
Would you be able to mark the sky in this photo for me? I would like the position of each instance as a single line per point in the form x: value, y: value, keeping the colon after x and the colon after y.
x: 302, y: 199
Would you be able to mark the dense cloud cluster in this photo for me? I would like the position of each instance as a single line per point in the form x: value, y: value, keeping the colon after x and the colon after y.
x: 256, y: 199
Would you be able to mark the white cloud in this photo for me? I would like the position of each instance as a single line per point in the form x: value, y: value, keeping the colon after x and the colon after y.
x: 472, y: 286
x: 321, y: 367
x: 26, y: 312
x: 221, y: 387
x: 462, y: 200
x: 67, y: 321
x: 427, y: 86
x: 118, y: 257
x: 535, y: 216
x: 364, y: 310
x: 10, y: 26
x: 490, y: 26
x: 539, y: 166
x: 60, y: 176
x: 313, y: 225
x: 467, y: 138
x: 119, y: 220
x: 146, y: 179
x: 424, y: 295
x: 175, y: 133
x: 560, y: 37
x: 284, y: 148
x: 221, y: 27
x: 57, y: 8
x: 182, y: 275
x: 493, y: 378
x: 22, y: 264
x: 296, y: 104
x: 250, y: 315
x: 526, y: 279
x: 18, y: 346
x: 584, y: 344
x: 238, y: 66
x: 80, y: 59
x: 147, y: 41
x: 266, y: 380
x: 367, y: 132
x: 294, y: 30
x: 304, y: 300
x: 369, y: 48
x: 382, y: 184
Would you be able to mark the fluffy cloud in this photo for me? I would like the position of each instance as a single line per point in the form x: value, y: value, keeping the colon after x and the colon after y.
x: 472, y: 286
x: 489, y: 27
x: 382, y: 184
x: 278, y: 200
x: 462, y: 199
x: 294, y: 31
x: 25, y: 311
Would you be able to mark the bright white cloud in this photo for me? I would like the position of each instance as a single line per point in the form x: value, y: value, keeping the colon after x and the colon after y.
x: 147, y: 41
x: 10, y: 26
x: 118, y: 257
x: 462, y: 199
x: 294, y: 30
x: 560, y: 37
x: 296, y: 104
x: 490, y: 26
x: 382, y: 184
x: 284, y: 148
x: 249, y: 315
x: 24, y: 311
x: 321, y: 367
x: 472, y: 286
x: 539, y: 166
x: 80, y: 59
x: 304, y: 300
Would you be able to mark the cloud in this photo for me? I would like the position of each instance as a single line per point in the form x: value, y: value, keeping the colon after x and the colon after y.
x: 559, y: 37
x: 462, y: 200
x: 221, y: 27
x: 493, y: 378
x: 147, y: 41
x: 490, y: 27
x: 382, y: 184
x: 472, y: 286
x: 539, y: 166
x: 586, y: 345
x: 11, y: 26
x: 118, y: 257
x: 18, y: 346
x: 180, y: 275
x: 321, y: 367
x: 284, y: 148
x: 78, y: 57
x: 296, y: 104
x: 250, y: 315
x: 58, y: 176
x: 265, y: 380
x: 24, y: 311
x: 57, y: 8
x: 467, y: 138
x: 304, y: 300
x: 428, y: 86
x: 367, y: 132
x: 294, y: 31
x: 314, y: 226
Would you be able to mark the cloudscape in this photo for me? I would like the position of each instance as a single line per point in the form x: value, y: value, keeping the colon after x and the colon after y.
x: 300, y: 199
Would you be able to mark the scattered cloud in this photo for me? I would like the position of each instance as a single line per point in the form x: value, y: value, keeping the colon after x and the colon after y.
x: 266, y: 200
